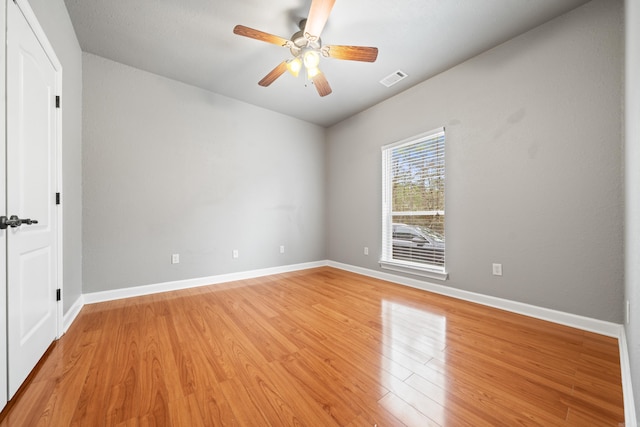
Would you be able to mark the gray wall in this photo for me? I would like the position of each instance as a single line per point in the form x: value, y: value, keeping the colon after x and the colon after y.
x: 54, y: 19
x: 170, y: 168
x: 534, y: 154
x: 632, y: 156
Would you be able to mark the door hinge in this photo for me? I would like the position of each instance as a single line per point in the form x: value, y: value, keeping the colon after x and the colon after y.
x: 57, y: 198
x: 58, y: 294
x: 57, y: 101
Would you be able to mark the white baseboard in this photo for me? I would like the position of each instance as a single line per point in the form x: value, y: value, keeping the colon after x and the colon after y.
x: 72, y: 313
x: 115, y: 294
x: 573, y: 320
x: 627, y: 389
x: 580, y: 322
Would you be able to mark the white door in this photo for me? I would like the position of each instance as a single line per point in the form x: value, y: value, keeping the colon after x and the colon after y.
x: 31, y: 185
x: 3, y: 233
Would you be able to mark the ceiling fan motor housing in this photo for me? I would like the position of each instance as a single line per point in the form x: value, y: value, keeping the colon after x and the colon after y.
x: 300, y: 42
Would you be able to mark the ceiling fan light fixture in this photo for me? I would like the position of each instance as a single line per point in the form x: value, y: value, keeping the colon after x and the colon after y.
x: 294, y: 66
x: 311, y: 58
x: 312, y: 72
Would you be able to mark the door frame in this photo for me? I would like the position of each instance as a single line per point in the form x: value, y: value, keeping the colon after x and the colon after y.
x: 32, y: 20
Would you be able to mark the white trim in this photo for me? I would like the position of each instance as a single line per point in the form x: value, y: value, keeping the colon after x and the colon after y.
x: 417, y: 271
x: 435, y: 140
x: 4, y: 374
x: 416, y: 138
x: 573, y: 320
x: 32, y: 20
x: 41, y: 36
x: 58, y: 208
x: 627, y: 390
x: 72, y: 313
x: 115, y: 294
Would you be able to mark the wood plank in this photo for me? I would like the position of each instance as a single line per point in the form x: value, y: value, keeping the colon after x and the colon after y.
x: 406, y: 413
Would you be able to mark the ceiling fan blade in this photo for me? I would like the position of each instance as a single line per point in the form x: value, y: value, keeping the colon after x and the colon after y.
x: 318, y: 15
x: 241, y: 30
x: 322, y: 85
x: 273, y: 74
x: 351, y: 53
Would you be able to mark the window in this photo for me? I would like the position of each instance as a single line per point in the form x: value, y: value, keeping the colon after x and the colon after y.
x: 413, y: 182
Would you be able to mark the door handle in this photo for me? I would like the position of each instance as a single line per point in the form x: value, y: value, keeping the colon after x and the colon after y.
x: 14, y: 221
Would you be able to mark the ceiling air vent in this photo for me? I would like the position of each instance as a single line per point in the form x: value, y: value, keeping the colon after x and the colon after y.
x: 393, y: 78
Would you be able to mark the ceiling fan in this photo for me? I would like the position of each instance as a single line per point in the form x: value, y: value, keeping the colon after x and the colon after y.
x: 306, y: 48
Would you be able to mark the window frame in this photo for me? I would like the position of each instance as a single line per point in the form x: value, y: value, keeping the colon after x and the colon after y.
x: 386, y: 258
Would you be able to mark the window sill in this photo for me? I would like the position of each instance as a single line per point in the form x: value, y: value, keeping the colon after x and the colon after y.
x: 416, y: 269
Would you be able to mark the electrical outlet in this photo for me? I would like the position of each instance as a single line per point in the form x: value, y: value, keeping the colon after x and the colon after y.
x: 281, y: 249
x: 497, y: 269
x: 235, y: 253
x: 366, y: 250
x: 175, y: 258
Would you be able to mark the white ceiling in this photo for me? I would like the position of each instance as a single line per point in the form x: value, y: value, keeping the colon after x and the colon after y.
x: 192, y: 41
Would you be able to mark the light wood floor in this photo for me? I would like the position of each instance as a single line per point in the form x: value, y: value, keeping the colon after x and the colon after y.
x: 321, y: 347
